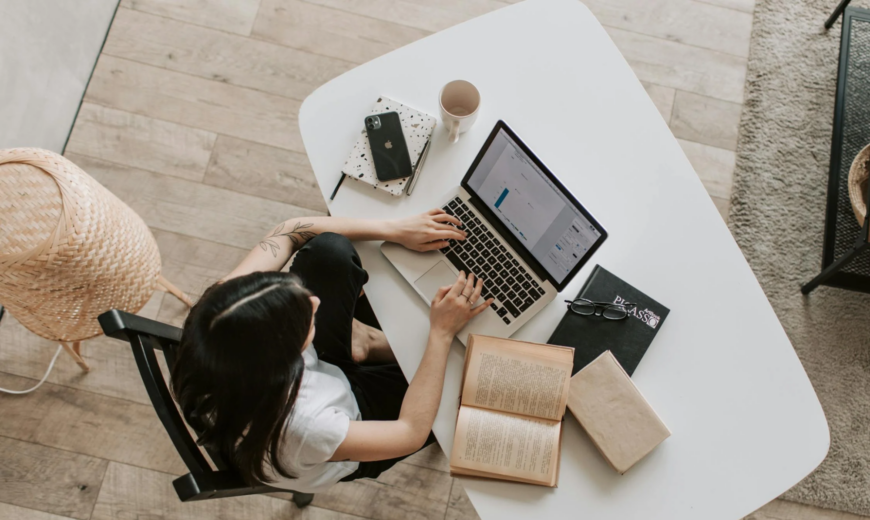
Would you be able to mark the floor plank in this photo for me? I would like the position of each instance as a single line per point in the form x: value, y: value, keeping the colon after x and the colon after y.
x: 746, y: 6
x: 11, y: 512
x: 429, y: 16
x: 683, y: 67
x: 714, y: 166
x: 706, y: 120
x: 194, y: 264
x: 131, y: 493
x: 235, y: 16
x: 190, y: 208
x: 193, y: 101
x: 141, y: 142
x: 264, y: 171
x: 662, y: 97
x: 219, y: 56
x: 459, y: 507
x: 330, y: 32
x: 683, y: 21
x: 113, y: 370
x: 48, y: 479
x: 88, y: 423
x: 403, y: 492
x: 173, y: 313
x: 431, y: 457
x: 723, y: 205
x: 465, y: 9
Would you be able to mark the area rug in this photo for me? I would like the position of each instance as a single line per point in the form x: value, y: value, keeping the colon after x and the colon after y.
x: 777, y: 218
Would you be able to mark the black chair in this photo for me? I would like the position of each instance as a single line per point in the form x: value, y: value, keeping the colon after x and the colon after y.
x: 203, y: 482
x: 836, y: 14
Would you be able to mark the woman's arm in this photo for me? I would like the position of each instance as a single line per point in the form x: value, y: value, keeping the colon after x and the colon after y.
x: 424, y: 232
x: 381, y: 440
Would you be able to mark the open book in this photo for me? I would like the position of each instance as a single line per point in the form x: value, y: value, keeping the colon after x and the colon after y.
x: 514, y: 395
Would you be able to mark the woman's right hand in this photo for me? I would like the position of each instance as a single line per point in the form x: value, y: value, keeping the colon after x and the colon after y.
x: 382, y: 440
x: 452, y: 306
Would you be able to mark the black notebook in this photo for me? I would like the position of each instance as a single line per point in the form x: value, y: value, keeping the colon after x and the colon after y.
x: 628, y: 339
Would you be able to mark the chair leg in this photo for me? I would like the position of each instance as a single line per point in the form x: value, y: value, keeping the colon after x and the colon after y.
x: 75, y: 351
x: 173, y: 290
x: 832, y: 269
x: 302, y: 499
x: 836, y: 14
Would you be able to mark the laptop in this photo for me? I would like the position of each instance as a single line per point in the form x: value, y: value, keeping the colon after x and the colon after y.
x: 527, y: 237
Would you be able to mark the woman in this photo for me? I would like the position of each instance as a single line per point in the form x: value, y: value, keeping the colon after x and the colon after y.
x: 303, y: 407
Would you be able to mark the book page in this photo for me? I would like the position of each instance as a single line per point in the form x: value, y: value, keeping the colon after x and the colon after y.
x: 518, y: 377
x: 506, y: 444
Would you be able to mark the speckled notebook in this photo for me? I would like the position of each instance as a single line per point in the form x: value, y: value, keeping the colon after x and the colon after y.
x: 417, y: 127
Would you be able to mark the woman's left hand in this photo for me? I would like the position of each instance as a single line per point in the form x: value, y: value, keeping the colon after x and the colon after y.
x: 426, y: 232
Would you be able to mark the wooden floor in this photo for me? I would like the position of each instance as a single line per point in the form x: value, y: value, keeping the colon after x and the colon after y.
x: 191, y: 118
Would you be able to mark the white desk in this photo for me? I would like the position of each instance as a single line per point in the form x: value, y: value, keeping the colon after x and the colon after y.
x: 721, y: 373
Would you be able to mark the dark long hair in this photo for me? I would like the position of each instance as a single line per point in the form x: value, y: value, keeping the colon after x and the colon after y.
x: 239, y: 367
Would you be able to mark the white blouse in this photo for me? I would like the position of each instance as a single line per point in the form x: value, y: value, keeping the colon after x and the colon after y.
x: 317, y: 426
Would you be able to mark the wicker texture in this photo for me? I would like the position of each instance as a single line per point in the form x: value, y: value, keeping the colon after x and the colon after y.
x: 69, y: 249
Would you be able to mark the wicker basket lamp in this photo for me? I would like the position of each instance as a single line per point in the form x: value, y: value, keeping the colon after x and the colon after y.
x: 69, y: 249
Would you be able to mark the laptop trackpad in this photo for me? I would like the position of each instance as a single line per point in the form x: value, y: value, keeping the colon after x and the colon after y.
x: 434, y: 279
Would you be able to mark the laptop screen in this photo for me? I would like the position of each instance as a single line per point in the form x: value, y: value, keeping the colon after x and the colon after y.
x: 552, y: 228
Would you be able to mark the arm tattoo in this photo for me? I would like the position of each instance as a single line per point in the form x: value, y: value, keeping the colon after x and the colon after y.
x: 298, y: 235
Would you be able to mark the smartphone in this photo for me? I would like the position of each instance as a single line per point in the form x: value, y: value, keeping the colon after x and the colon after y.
x: 389, y: 149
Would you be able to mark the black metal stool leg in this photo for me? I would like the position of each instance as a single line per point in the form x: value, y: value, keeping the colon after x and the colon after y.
x: 836, y: 14
x: 833, y: 268
x: 302, y: 499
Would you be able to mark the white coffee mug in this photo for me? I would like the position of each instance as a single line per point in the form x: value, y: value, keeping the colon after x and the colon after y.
x: 460, y: 104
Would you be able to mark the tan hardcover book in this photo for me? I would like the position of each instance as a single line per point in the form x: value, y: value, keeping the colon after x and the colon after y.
x: 509, y: 425
x: 613, y: 412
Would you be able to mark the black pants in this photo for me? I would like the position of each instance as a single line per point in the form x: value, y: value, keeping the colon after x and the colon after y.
x: 330, y: 268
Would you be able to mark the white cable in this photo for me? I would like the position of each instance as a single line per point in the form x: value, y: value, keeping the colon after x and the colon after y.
x: 50, y: 366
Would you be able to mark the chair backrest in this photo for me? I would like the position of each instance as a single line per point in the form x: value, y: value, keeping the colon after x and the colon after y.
x: 202, y: 482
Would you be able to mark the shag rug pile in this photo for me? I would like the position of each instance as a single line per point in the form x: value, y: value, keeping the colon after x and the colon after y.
x: 777, y: 217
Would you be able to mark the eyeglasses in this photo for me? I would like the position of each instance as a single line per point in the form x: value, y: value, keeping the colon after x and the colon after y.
x: 611, y: 311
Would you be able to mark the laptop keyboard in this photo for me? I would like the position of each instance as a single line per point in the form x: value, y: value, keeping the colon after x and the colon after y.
x: 483, y: 254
